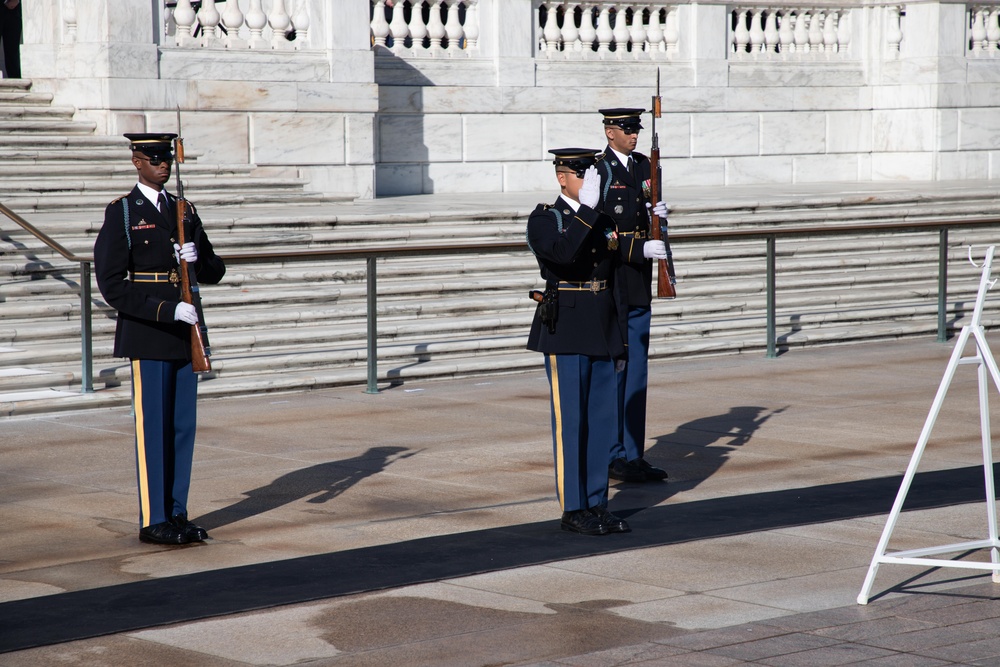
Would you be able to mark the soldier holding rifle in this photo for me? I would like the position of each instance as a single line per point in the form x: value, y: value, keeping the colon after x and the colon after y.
x: 137, y: 264
x: 626, y: 197
x: 579, y: 329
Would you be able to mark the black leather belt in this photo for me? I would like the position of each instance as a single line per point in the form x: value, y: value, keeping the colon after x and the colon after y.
x: 170, y: 276
x: 591, y: 286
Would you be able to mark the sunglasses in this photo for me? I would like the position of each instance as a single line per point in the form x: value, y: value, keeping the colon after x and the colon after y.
x: 156, y: 161
x: 628, y: 130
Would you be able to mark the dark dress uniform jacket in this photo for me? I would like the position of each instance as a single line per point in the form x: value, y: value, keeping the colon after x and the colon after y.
x: 146, y: 326
x: 623, y: 198
x: 589, y: 322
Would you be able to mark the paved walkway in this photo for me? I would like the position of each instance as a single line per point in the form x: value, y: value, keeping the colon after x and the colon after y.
x: 419, y: 527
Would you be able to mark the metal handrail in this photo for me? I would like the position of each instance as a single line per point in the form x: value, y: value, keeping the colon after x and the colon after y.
x: 371, y: 253
x: 86, y: 331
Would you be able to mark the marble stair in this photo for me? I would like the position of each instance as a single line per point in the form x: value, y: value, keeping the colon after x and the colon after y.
x: 296, y: 326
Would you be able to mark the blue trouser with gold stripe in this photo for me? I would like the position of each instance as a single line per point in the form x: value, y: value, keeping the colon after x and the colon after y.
x: 164, y: 398
x: 630, y: 442
x: 584, y: 420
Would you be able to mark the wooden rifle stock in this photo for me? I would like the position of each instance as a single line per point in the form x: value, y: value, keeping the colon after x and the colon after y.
x: 190, y: 293
x: 666, y: 281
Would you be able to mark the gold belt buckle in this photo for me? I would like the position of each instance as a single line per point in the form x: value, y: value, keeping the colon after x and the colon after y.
x: 594, y: 286
x: 173, y: 276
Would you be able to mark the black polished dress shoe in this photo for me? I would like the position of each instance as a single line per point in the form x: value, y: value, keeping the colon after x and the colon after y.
x: 625, y: 471
x: 163, y: 533
x: 651, y: 472
x: 194, y: 533
x: 583, y: 522
x: 613, y: 523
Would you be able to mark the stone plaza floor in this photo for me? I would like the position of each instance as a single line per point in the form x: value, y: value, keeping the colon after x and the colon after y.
x: 419, y: 526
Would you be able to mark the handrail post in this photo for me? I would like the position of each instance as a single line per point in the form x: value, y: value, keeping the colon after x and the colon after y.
x: 942, y: 308
x: 370, y: 279
x: 772, y: 348
x: 86, y: 332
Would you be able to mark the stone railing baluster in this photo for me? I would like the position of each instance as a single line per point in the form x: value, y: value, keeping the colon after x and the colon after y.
x: 184, y: 18
x: 741, y: 33
x: 655, y: 34
x: 756, y: 32
x: 588, y: 28
x: 801, y: 32
x: 620, y: 32
x: 771, y: 32
x: 830, y: 32
x: 844, y: 31
x: 69, y: 19
x: 280, y: 22
x: 380, y: 27
x: 786, y: 35
x: 301, y: 23
x: 894, y: 30
x: 550, y: 29
x: 637, y: 31
x: 417, y: 27
x: 435, y: 27
x: 208, y: 19
x: 256, y: 19
x: 398, y: 28
x: 672, y: 31
x: 232, y: 21
x: 978, y: 31
x: 472, y: 25
x: 816, y: 33
x: 605, y: 35
x: 453, y: 29
x: 570, y: 33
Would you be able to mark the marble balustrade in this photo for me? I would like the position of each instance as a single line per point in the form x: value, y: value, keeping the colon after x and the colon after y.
x: 984, y: 32
x: 623, y: 30
x: 425, y: 28
x: 239, y: 24
x: 783, y: 33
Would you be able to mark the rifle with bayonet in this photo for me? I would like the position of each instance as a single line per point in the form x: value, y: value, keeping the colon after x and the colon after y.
x: 665, y: 277
x: 190, y: 293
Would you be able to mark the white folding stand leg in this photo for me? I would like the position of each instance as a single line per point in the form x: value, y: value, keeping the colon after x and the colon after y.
x: 984, y: 359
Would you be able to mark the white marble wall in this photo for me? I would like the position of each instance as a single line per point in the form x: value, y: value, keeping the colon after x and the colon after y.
x: 362, y: 122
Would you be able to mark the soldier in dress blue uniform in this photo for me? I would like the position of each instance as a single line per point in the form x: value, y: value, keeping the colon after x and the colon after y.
x: 625, y: 196
x: 579, y: 328
x: 136, y: 260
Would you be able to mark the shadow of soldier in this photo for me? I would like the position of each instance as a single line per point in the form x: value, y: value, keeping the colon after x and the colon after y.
x: 323, y: 482
x: 694, y: 452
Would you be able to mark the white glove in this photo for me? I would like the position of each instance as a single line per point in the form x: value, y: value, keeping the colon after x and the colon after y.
x: 185, y: 312
x: 188, y: 252
x: 654, y: 250
x: 660, y: 210
x: 590, y: 191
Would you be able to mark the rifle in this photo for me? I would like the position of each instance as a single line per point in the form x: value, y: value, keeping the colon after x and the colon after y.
x: 190, y: 293
x: 665, y: 277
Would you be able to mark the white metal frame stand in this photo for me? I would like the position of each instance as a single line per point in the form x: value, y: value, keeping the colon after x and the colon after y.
x: 984, y: 360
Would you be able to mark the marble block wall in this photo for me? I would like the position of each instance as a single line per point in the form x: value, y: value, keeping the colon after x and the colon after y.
x: 305, y: 111
x: 925, y: 112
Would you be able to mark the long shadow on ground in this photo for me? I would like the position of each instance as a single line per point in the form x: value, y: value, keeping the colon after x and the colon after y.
x: 114, y: 609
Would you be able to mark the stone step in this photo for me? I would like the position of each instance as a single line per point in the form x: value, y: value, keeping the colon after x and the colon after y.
x: 43, y: 400
x: 14, y: 113
x: 47, y: 126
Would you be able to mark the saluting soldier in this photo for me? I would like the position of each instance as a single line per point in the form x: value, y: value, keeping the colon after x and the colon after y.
x: 136, y: 260
x: 626, y: 197
x: 578, y: 329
